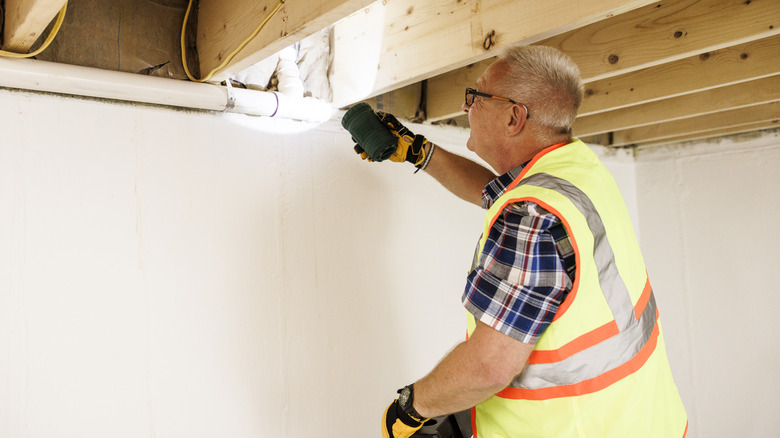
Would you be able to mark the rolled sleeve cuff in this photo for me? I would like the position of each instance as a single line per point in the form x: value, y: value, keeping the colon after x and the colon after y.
x: 503, y: 306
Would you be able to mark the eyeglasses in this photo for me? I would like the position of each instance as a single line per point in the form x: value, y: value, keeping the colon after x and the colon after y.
x: 472, y: 93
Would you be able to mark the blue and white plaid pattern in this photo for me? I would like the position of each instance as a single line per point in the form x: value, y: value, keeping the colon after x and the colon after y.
x: 525, y: 270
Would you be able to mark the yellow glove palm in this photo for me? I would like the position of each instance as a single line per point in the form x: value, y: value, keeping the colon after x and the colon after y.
x: 411, y: 147
x: 397, y: 424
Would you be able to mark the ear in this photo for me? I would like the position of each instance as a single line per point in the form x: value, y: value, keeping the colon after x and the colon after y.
x: 516, y: 120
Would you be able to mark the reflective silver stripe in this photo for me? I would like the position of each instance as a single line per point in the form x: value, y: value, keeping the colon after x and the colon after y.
x: 612, y: 284
x: 594, y: 361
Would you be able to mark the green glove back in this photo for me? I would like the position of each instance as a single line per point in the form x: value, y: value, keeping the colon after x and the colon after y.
x: 380, y: 136
x: 375, y: 140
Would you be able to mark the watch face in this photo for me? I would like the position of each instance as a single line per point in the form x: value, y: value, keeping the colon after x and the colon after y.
x: 403, y: 397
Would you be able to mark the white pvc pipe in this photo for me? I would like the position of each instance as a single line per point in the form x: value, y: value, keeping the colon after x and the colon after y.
x: 290, y: 83
x: 30, y: 74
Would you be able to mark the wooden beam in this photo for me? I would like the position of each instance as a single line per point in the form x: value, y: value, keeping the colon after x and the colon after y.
x: 224, y: 24
x: 403, y: 103
x: 25, y: 21
x: 606, y: 139
x: 717, y: 99
x: 740, y: 117
x: 743, y: 62
x: 602, y: 139
x: 445, y: 92
x: 418, y: 40
x: 642, y: 38
x: 667, y: 31
x: 720, y: 132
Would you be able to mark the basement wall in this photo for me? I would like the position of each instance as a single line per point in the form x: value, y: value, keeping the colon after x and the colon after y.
x: 709, y: 213
x: 170, y: 273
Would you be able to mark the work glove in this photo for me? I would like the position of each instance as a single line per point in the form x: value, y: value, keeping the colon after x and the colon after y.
x: 398, y: 424
x: 410, y: 148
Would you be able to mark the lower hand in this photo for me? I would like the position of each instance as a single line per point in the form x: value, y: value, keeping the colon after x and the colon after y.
x: 398, y: 424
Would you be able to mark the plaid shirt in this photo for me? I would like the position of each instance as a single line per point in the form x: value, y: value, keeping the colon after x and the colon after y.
x: 526, y: 268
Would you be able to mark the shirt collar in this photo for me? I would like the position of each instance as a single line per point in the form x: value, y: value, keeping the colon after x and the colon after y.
x: 494, y: 189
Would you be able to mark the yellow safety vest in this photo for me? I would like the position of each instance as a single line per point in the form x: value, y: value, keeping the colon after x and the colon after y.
x: 600, y: 369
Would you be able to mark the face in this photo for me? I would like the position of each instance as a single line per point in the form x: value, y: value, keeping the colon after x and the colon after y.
x: 485, y: 116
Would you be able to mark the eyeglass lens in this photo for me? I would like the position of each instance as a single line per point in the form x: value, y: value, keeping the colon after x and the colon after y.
x: 469, y: 96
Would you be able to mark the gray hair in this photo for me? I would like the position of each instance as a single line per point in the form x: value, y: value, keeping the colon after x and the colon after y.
x: 547, y: 81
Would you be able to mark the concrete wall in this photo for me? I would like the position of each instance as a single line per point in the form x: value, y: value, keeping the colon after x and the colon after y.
x: 709, y: 214
x: 182, y: 274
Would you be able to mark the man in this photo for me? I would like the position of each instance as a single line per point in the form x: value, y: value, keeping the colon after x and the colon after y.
x: 564, y: 339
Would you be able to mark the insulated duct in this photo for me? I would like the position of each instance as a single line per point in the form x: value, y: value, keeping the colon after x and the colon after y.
x: 34, y: 75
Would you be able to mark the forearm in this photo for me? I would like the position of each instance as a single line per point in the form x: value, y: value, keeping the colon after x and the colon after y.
x: 457, y: 383
x: 461, y: 176
x: 471, y: 373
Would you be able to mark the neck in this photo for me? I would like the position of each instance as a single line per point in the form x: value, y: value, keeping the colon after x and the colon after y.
x: 523, y: 147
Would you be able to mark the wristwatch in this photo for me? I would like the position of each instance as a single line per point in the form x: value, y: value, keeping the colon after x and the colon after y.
x: 406, y: 402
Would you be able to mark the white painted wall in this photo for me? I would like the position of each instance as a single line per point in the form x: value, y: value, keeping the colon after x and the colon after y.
x: 709, y: 213
x: 178, y: 274
x: 175, y: 274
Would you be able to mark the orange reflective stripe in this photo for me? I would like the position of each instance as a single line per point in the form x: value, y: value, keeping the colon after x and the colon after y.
x: 474, y: 421
x: 591, y: 385
x: 643, y: 299
x: 531, y: 163
x: 583, y: 342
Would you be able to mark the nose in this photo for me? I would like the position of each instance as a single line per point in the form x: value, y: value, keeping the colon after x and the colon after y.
x: 464, y: 107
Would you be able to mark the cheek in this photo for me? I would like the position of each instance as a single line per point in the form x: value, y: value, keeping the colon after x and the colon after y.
x: 475, y: 118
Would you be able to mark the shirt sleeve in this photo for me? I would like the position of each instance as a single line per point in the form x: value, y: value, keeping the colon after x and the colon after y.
x: 520, y: 280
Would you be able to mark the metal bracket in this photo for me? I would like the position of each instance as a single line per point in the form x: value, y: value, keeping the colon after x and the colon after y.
x: 231, y: 96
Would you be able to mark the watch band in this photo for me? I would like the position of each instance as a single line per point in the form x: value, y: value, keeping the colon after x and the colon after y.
x: 406, y: 402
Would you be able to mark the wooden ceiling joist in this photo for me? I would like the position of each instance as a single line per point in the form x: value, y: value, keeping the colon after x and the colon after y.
x: 223, y: 25
x: 720, y: 132
x: 25, y: 21
x: 743, y: 62
x: 734, y: 96
x: 767, y: 113
x: 666, y: 31
x: 445, y: 92
x: 404, y: 41
x: 643, y: 38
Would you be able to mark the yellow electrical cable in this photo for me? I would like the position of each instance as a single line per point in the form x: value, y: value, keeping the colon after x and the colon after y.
x: 229, y: 57
x: 49, y: 39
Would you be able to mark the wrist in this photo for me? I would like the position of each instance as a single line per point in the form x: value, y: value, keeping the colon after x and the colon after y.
x: 428, y: 147
x: 416, y: 407
x: 427, y: 152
